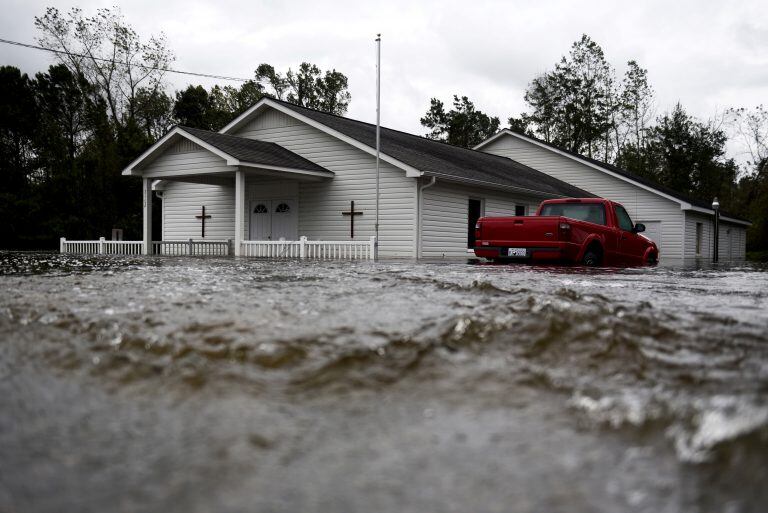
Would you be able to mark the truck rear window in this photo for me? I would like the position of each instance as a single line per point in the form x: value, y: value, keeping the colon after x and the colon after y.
x: 589, y: 212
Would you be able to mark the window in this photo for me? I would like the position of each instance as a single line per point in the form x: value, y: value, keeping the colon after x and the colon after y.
x: 282, y: 208
x: 519, y: 210
x: 699, y: 236
x: 625, y: 223
x: 261, y: 209
x: 589, y: 212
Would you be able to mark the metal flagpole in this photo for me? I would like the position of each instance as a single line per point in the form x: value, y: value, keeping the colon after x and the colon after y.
x: 378, y: 135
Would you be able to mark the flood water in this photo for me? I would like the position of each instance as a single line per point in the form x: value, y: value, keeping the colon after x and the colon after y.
x: 192, y: 385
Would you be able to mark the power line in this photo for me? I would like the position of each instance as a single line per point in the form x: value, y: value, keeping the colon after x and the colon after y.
x: 167, y: 70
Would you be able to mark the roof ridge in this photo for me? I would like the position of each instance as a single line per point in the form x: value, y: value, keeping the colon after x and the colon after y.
x: 184, y: 127
x: 422, y: 137
x: 422, y: 152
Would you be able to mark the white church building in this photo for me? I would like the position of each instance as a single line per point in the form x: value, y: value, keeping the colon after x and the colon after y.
x: 280, y: 173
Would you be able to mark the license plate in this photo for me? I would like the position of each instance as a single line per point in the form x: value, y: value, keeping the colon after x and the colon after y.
x: 517, y: 252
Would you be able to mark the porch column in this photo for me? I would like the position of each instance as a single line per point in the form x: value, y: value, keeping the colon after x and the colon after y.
x: 239, y: 209
x: 146, y: 192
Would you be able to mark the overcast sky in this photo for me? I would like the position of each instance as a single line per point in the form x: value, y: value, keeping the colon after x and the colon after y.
x: 707, y: 54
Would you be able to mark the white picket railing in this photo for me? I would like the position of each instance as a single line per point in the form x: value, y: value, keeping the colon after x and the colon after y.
x: 102, y: 247
x: 122, y: 247
x: 302, y: 248
x: 136, y: 247
x: 192, y: 247
x: 271, y: 248
x: 312, y: 249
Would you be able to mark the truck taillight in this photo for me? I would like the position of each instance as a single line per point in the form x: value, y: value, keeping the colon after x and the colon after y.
x: 565, y: 231
x: 478, y: 226
x: 565, y: 226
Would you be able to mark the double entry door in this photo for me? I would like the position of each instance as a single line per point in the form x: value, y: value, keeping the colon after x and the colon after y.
x: 273, y: 220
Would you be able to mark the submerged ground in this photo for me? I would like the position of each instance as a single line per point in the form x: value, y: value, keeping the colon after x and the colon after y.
x: 228, y: 385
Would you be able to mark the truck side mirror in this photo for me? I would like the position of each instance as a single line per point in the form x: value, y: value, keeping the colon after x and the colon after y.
x: 639, y: 227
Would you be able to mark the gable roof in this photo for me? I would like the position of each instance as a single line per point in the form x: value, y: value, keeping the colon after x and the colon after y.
x: 426, y: 156
x: 236, y: 151
x: 686, y: 202
x: 254, y: 151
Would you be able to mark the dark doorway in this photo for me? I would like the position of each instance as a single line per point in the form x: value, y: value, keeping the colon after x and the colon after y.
x: 474, y: 212
x: 157, y: 217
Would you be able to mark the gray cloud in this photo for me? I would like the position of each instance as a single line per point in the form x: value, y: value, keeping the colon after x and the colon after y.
x: 708, y: 55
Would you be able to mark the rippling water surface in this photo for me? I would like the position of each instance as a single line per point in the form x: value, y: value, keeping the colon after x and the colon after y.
x: 229, y: 385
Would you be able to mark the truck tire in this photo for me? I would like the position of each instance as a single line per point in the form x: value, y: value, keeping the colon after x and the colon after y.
x: 593, y: 257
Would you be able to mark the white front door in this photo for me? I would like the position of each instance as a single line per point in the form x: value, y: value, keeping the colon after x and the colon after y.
x: 284, y: 220
x: 273, y: 220
x: 261, y: 220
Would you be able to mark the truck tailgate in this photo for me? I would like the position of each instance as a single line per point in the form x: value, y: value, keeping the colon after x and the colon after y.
x: 522, y: 229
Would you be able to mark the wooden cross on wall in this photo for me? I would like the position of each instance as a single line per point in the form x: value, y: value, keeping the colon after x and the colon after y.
x: 352, y: 213
x: 203, y: 217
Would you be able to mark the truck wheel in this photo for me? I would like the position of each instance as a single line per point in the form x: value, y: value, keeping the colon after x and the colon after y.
x: 592, y: 257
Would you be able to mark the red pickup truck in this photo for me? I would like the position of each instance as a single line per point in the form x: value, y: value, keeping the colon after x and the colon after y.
x: 587, y: 231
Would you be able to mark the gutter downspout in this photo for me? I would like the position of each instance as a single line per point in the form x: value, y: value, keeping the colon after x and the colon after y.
x: 420, y: 203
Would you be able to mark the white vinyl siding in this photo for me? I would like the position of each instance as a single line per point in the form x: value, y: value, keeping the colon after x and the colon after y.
x: 732, y: 237
x: 183, y: 201
x: 322, y: 202
x: 186, y: 157
x: 642, y: 205
x: 444, y: 216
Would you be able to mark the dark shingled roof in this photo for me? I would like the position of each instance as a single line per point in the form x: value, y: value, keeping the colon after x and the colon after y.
x: 442, y: 159
x: 254, y: 151
x: 636, y: 178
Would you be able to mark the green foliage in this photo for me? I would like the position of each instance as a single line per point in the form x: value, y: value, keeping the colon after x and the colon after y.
x: 18, y: 122
x: 153, y: 112
x: 580, y: 106
x: 689, y: 156
x: 191, y: 107
x: 573, y: 105
x: 461, y: 126
x: 64, y: 166
x: 750, y: 129
x: 308, y: 87
x: 212, y: 110
x: 521, y: 124
x: 751, y: 201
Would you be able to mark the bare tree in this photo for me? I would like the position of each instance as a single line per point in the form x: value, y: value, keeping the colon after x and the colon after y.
x: 108, y: 53
x: 750, y: 127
